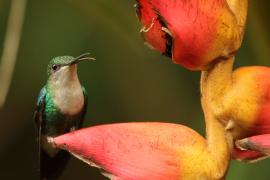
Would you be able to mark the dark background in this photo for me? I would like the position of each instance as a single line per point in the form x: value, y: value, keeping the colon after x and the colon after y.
x: 128, y: 82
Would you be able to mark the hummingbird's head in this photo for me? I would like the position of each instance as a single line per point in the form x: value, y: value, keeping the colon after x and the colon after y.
x: 65, y: 67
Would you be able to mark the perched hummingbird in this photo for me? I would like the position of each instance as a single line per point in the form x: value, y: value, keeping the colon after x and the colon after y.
x: 61, y: 107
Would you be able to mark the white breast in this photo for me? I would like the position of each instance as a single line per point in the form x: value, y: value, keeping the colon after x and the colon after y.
x: 69, y: 100
x: 67, y: 92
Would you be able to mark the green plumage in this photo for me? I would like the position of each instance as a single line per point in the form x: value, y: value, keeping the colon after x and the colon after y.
x: 50, y: 120
x: 54, y: 122
x: 59, y: 61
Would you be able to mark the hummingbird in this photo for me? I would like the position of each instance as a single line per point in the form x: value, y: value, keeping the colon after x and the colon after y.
x: 61, y: 107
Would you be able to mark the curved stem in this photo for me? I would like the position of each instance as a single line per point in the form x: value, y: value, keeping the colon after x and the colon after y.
x: 11, y: 45
x: 214, y: 83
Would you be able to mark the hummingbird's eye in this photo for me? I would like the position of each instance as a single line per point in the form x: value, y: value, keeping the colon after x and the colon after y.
x: 55, y: 67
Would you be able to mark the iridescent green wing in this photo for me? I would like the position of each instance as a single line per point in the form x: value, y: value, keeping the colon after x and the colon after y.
x: 38, y: 117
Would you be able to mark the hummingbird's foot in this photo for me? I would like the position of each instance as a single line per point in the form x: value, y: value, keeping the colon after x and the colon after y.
x: 48, y: 146
x: 50, y: 141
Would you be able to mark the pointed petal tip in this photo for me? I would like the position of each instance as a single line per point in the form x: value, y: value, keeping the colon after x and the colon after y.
x: 252, y: 149
x: 130, y: 150
x: 246, y: 155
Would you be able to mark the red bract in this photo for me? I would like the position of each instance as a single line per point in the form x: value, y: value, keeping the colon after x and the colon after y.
x: 194, y: 32
x: 260, y: 143
x: 129, y: 151
x: 152, y: 27
x: 246, y: 155
x: 146, y: 151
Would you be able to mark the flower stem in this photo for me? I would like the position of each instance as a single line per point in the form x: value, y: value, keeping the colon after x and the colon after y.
x: 214, y: 83
x: 11, y: 46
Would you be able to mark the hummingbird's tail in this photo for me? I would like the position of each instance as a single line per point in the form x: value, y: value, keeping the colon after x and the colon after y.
x: 51, y: 167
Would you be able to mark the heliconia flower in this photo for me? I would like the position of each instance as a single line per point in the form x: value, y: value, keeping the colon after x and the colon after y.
x: 144, y: 151
x: 195, y: 32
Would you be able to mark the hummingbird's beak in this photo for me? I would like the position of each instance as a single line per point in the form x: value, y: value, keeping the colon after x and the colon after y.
x: 80, y: 58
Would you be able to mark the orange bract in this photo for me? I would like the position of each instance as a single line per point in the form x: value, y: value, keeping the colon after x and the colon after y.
x: 247, y: 103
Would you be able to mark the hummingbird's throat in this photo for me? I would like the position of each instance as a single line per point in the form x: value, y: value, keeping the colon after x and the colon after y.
x: 66, y: 90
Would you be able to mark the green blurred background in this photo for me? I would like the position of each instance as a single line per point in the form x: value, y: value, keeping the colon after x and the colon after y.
x: 128, y: 82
